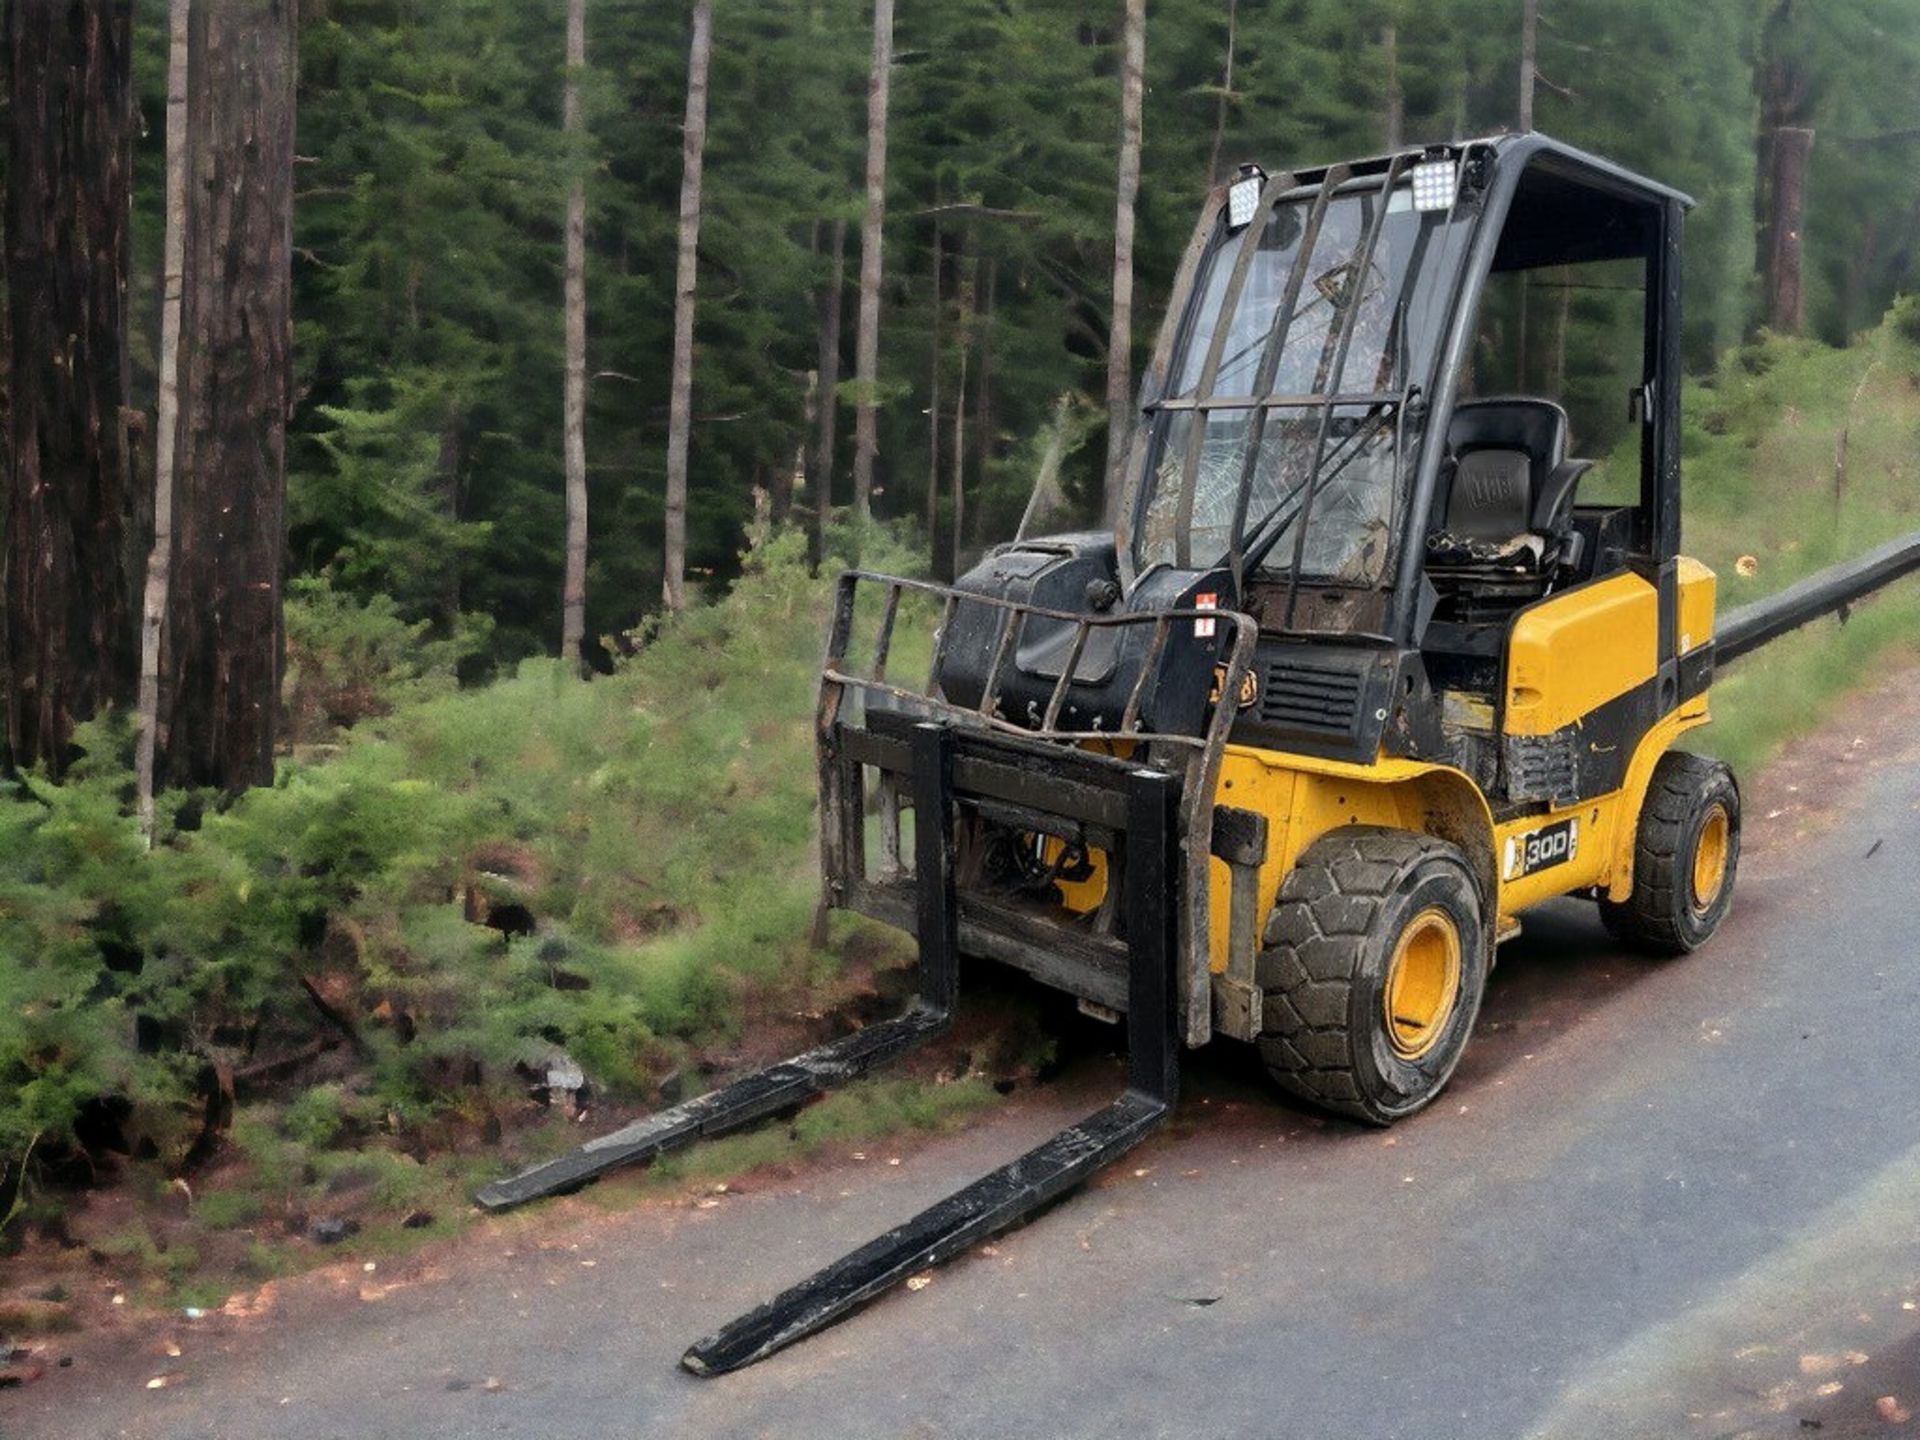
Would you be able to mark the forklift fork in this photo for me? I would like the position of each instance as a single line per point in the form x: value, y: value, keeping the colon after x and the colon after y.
x: 995, y: 1201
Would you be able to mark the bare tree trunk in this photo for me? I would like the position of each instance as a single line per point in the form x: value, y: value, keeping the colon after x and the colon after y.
x: 1120, y: 331
x: 685, y: 285
x: 831, y: 306
x: 71, y: 549
x: 1226, y: 93
x: 866, y: 439
x: 1396, y: 98
x: 573, y: 592
x: 933, y: 401
x: 223, y: 643
x: 959, y: 464
x: 1783, y: 277
x: 963, y: 336
x: 167, y: 411
x: 1529, y: 53
x: 986, y: 283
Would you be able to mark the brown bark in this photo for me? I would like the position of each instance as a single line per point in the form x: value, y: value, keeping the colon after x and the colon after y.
x: 831, y: 307
x: 573, y: 592
x: 153, y: 615
x: 686, y: 283
x: 71, y: 558
x: 1782, y: 153
x: 1782, y: 278
x: 866, y: 440
x: 1120, y: 330
x: 223, y: 641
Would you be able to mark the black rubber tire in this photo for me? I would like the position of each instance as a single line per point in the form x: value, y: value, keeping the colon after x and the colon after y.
x: 1329, y: 943
x: 1662, y: 916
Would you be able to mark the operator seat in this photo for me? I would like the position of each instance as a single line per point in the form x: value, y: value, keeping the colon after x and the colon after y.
x: 1508, y: 503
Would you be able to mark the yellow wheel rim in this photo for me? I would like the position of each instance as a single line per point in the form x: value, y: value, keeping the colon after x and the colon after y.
x: 1710, y: 858
x: 1423, y: 981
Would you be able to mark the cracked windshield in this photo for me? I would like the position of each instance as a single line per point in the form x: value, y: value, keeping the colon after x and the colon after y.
x: 1261, y: 378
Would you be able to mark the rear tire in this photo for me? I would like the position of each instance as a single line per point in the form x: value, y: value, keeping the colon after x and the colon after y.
x: 1685, y: 856
x: 1375, y: 962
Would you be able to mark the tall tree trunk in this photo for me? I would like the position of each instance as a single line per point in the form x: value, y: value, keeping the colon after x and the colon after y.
x: 573, y: 592
x: 1782, y: 278
x: 831, y: 307
x: 575, y: 386
x: 986, y: 283
x: 959, y: 465
x: 866, y: 439
x: 223, y: 644
x: 1529, y: 64
x: 686, y: 282
x: 1226, y: 93
x: 153, y: 615
x: 1782, y: 153
x: 933, y: 399
x: 963, y: 336
x: 71, y: 557
x: 1120, y: 330
x: 1396, y: 97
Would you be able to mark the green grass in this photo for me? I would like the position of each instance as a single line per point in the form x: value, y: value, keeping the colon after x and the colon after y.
x: 1762, y: 436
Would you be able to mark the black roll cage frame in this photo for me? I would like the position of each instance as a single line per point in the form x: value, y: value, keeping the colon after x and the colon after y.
x: 1492, y: 172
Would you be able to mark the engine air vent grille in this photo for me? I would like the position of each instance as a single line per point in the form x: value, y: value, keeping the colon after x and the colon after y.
x: 1310, y: 698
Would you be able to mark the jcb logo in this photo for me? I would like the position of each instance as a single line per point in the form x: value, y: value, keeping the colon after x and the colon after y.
x: 1541, y: 849
x: 1249, y: 688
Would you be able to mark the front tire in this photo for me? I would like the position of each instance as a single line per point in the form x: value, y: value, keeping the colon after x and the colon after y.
x: 1686, y: 853
x: 1374, y: 966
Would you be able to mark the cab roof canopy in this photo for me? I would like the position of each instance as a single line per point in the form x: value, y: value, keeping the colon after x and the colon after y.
x: 1567, y: 206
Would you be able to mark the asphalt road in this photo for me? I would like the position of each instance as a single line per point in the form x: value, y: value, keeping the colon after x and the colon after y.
x: 1665, y: 1200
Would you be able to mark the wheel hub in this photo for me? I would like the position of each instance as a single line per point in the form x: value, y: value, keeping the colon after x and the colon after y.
x: 1710, y: 858
x: 1423, y: 982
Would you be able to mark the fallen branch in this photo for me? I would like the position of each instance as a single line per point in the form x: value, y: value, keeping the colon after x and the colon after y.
x: 334, y: 1016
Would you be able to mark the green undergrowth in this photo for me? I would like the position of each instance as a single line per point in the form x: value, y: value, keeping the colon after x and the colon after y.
x: 1767, y: 478
x: 418, y: 917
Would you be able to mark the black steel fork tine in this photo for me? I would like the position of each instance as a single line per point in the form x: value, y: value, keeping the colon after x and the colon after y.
x: 996, y: 1201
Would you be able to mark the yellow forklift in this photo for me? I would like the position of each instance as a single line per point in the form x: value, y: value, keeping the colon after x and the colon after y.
x: 1369, y: 664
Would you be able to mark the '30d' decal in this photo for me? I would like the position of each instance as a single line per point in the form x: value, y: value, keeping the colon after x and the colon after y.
x: 1541, y: 849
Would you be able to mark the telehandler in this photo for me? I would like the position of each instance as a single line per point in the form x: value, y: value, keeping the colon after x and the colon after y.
x: 1369, y: 664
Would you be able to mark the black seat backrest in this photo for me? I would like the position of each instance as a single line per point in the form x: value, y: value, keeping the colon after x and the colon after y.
x: 1511, y: 475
